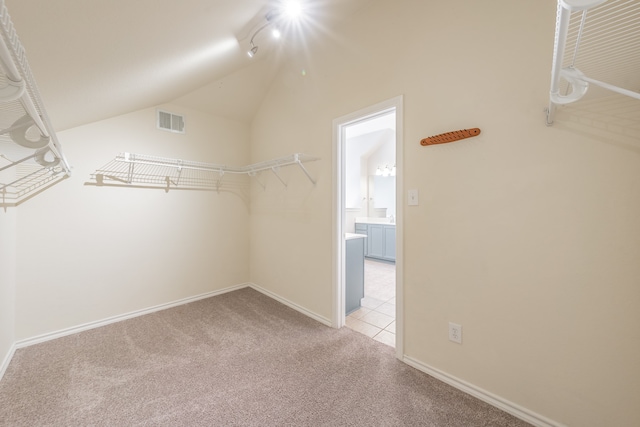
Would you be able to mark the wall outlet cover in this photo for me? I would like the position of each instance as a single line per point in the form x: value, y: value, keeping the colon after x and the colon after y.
x: 455, y: 333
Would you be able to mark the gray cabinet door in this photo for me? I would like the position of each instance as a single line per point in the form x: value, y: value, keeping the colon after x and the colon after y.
x: 390, y: 243
x: 354, y: 274
x: 381, y: 240
x: 364, y: 229
x: 376, y: 241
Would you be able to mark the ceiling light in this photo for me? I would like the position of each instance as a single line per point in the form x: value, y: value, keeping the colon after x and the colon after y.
x: 276, y: 34
x: 393, y: 170
x: 378, y: 171
x: 292, y: 9
x: 386, y: 171
x: 252, y: 51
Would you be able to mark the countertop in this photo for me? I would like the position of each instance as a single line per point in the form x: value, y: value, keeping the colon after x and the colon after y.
x: 367, y: 220
x: 350, y: 236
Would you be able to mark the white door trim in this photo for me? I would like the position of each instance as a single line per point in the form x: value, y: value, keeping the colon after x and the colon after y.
x: 339, y: 127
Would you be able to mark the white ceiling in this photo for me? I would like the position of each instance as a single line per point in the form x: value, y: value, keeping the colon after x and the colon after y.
x: 101, y: 58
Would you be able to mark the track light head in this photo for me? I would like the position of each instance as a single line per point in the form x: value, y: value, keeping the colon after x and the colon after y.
x: 292, y: 9
x: 252, y: 52
x: 289, y: 12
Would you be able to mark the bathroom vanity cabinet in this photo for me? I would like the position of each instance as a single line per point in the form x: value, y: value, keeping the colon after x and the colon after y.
x: 354, y: 271
x: 381, y: 240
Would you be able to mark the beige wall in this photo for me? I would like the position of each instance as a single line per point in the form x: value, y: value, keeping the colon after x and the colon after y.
x: 86, y: 253
x: 527, y: 235
x: 7, y: 281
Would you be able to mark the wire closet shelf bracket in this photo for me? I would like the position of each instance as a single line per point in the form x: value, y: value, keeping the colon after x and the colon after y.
x: 597, y: 43
x: 145, y: 170
x: 31, y: 158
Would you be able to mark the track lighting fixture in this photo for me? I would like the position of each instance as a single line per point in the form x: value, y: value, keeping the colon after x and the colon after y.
x: 290, y: 10
x: 252, y: 51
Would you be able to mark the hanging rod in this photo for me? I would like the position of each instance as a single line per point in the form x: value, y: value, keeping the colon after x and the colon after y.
x: 130, y: 168
x: 596, y: 42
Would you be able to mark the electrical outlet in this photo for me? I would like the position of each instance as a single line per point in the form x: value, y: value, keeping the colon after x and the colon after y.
x: 455, y: 333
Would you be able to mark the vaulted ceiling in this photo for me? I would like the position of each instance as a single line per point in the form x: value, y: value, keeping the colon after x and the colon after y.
x: 101, y: 58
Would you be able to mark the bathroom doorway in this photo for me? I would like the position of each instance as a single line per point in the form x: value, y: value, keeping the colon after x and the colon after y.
x: 368, y: 217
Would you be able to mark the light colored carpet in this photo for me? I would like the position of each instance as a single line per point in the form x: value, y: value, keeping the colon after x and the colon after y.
x: 238, y: 359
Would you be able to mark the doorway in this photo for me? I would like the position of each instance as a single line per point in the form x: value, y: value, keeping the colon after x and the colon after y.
x: 367, y: 202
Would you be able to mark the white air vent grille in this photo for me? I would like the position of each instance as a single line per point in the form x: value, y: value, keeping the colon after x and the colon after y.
x: 170, y: 122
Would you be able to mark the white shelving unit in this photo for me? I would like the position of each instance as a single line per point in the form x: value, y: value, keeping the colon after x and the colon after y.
x: 167, y: 173
x: 597, y: 43
x: 31, y: 158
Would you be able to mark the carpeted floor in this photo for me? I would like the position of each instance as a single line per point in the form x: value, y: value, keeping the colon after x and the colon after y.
x: 238, y: 359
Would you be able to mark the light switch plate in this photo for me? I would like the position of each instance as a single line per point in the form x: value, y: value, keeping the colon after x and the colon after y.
x: 413, y: 197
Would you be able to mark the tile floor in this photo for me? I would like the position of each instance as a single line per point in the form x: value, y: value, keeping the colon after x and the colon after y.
x: 376, y: 317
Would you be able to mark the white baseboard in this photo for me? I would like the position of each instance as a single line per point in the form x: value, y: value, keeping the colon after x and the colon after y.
x: 490, y: 398
x: 98, y: 323
x: 91, y: 325
x: 7, y: 360
x: 292, y: 305
x: 497, y: 401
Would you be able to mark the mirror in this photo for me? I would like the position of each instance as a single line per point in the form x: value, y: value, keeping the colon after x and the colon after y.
x: 382, y: 196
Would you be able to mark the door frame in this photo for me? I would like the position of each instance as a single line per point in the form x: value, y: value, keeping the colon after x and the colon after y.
x: 339, y: 144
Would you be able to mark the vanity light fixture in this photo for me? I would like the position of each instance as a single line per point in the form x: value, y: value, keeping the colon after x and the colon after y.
x: 386, y: 171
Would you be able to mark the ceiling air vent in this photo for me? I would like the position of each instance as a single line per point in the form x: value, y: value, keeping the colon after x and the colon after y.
x: 171, y: 122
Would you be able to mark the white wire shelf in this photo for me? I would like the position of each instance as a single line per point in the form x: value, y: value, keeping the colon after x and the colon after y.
x: 167, y: 173
x: 28, y: 180
x: 597, y: 44
x: 31, y: 156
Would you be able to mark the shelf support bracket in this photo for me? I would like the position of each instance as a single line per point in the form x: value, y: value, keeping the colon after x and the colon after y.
x: 306, y: 172
x: 177, y: 183
x: 219, y: 183
x: 274, y: 169
x: 255, y: 175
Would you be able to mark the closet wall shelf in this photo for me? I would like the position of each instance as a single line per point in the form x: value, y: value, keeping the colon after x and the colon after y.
x: 145, y: 170
x: 31, y: 158
x: 597, y: 43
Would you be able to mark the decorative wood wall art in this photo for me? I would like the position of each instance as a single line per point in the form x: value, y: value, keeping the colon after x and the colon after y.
x: 450, y: 136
